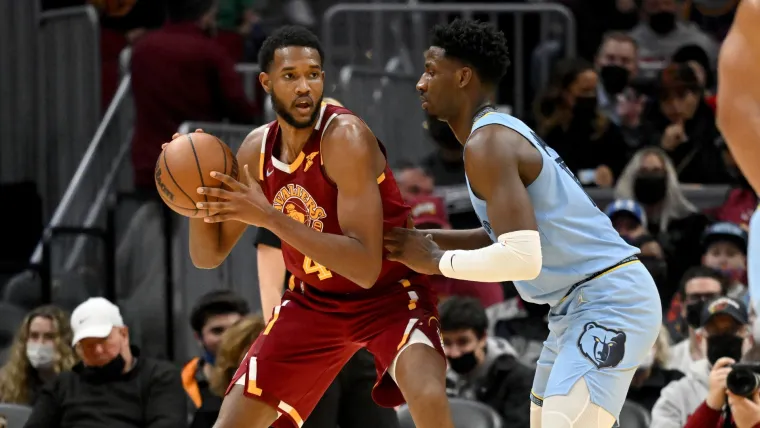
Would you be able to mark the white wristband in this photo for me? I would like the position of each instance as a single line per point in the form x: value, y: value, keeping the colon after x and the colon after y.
x: 516, y: 257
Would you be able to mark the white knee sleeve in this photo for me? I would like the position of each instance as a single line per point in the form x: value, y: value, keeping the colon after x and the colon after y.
x: 416, y: 337
x: 574, y: 410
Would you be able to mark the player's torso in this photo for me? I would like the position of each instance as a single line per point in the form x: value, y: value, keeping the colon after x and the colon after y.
x: 302, y: 191
x: 577, y: 239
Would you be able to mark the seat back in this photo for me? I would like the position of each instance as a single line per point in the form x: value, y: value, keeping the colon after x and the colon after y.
x: 466, y: 414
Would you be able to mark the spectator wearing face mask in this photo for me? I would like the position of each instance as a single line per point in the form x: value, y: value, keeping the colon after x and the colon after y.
x: 39, y: 353
x: 483, y: 368
x: 214, y: 313
x: 725, y: 246
x: 728, y: 339
x: 684, y: 126
x: 699, y: 285
x: 652, y: 375
x: 650, y: 179
x: 571, y: 123
x: 660, y: 34
x: 113, y: 386
x: 725, y: 326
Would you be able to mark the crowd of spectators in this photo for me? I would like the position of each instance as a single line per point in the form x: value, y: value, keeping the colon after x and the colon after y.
x: 634, y: 113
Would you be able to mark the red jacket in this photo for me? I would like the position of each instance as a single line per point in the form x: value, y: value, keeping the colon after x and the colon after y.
x: 705, y: 417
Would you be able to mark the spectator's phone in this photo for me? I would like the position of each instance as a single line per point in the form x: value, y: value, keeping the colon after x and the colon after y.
x: 587, y: 176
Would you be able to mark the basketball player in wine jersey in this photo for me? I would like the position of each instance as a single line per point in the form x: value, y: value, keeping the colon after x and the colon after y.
x: 318, y: 178
x: 739, y: 117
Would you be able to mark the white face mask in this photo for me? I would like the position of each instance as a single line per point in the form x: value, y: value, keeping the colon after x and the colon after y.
x: 40, y: 355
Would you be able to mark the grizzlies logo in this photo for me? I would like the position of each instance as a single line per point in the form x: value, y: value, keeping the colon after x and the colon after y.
x: 602, y: 346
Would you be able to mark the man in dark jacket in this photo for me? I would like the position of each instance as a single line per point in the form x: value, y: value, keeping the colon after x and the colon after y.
x: 483, y: 368
x: 113, y: 386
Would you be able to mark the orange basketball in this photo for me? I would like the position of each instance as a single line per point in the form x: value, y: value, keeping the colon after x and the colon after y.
x: 185, y: 164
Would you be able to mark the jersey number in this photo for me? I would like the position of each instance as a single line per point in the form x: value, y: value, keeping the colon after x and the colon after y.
x: 562, y: 165
x: 310, y: 266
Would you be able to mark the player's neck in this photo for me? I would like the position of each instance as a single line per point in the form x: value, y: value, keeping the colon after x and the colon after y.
x: 292, y: 140
x: 461, y: 124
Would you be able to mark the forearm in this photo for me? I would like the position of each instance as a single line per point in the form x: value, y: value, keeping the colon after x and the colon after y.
x: 471, y: 239
x: 740, y: 126
x: 210, y: 244
x: 339, y: 253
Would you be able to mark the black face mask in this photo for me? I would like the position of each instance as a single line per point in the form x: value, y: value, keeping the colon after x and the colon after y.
x: 694, y: 314
x: 442, y: 134
x: 112, y: 370
x: 724, y: 345
x: 662, y: 22
x: 614, y: 78
x: 657, y: 268
x: 464, y: 364
x: 650, y: 187
x: 584, y: 109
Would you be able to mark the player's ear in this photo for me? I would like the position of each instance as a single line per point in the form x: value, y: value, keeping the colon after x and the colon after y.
x: 265, y: 82
x: 464, y: 75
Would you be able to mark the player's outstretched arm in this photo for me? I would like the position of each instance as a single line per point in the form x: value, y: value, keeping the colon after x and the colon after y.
x: 470, y: 239
x: 353, y: 161
x: 739, y: 90
x: 211, y: 243
x: 493, y: 163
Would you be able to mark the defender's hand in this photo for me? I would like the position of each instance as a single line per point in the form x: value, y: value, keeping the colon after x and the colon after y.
x: 716, y: 394
x: 245, y: 203
x: 746, y: 412
x: 414, y: 248
x: 177, y: 135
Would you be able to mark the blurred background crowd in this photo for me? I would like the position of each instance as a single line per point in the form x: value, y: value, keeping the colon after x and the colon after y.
x: 623, y: 90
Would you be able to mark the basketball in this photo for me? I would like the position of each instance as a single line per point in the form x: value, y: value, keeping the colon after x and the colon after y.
x: 186, y: 164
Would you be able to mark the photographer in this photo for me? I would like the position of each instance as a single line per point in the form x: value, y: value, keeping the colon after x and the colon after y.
x: 727, y: 330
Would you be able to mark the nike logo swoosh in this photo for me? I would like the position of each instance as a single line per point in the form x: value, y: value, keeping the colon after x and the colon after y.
x: 270, y: 172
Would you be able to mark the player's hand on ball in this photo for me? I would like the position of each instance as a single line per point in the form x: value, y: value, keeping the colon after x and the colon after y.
x: 177, y: 135
x: 245, y: 203
x: 414, y: 248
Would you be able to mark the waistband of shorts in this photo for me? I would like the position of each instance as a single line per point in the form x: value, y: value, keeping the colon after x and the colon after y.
x: 296, y: 285
x: 595, y: 275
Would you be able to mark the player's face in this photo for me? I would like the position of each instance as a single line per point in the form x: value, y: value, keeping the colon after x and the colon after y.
x: 295, y: 83
x: 439, y: 84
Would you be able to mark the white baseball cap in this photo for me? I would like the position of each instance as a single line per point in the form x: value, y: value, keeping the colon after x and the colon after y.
x: 96, y: 317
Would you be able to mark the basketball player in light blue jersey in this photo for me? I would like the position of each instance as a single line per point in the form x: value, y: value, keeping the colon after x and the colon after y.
x: 739, y: 118
x: 540, y: 230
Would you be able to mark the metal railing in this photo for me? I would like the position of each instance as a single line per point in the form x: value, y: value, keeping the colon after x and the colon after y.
x: 383, y: 44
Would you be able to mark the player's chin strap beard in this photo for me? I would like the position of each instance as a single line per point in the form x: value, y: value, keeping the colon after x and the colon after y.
x: 482, y: 111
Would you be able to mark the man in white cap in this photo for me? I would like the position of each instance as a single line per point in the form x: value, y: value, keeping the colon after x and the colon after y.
x: 113, y: 385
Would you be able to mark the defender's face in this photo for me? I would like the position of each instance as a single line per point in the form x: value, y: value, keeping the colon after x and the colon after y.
x: 295, y: 82
x: 437, y: 85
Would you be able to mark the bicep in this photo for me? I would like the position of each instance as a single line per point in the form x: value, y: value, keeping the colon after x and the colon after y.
x: 493, y: 170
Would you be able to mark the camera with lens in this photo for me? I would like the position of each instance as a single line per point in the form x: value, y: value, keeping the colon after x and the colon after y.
x: 744, y: 379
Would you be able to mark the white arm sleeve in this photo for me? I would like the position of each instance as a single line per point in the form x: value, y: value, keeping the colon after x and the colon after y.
x: 516, y: 257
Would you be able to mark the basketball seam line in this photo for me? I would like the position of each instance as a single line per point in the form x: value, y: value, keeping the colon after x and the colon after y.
x: 200, y: 171
x: 166, y: 165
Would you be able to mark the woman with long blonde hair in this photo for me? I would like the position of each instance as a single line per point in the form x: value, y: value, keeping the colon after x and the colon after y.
x: 41, y: 350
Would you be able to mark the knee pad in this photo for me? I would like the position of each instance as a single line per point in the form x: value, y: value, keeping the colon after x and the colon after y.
x: 574, y: 410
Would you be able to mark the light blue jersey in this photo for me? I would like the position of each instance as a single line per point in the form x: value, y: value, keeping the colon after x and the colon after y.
x: 606, y: 310
x: 577, y: 239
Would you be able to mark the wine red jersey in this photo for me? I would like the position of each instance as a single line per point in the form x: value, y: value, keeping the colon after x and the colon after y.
x: 303, y: 192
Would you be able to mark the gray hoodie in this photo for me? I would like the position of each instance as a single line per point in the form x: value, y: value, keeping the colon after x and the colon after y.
x: 466, y: 386
x: 681, y: 398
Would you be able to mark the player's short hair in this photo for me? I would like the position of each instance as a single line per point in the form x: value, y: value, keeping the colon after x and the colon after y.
x: 463, y: 313
x: 187, y: 10
x: 289, y: 35
x: 217, y: 302
x: 479, y: 45
x: 703, y: 272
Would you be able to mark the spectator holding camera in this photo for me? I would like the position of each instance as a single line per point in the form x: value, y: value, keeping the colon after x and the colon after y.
x: 696, y: 400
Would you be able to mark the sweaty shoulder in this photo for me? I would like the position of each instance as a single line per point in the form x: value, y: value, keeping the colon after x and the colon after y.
x: 494, y: 147
x: 348, y: 144
x: 250, y: 150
